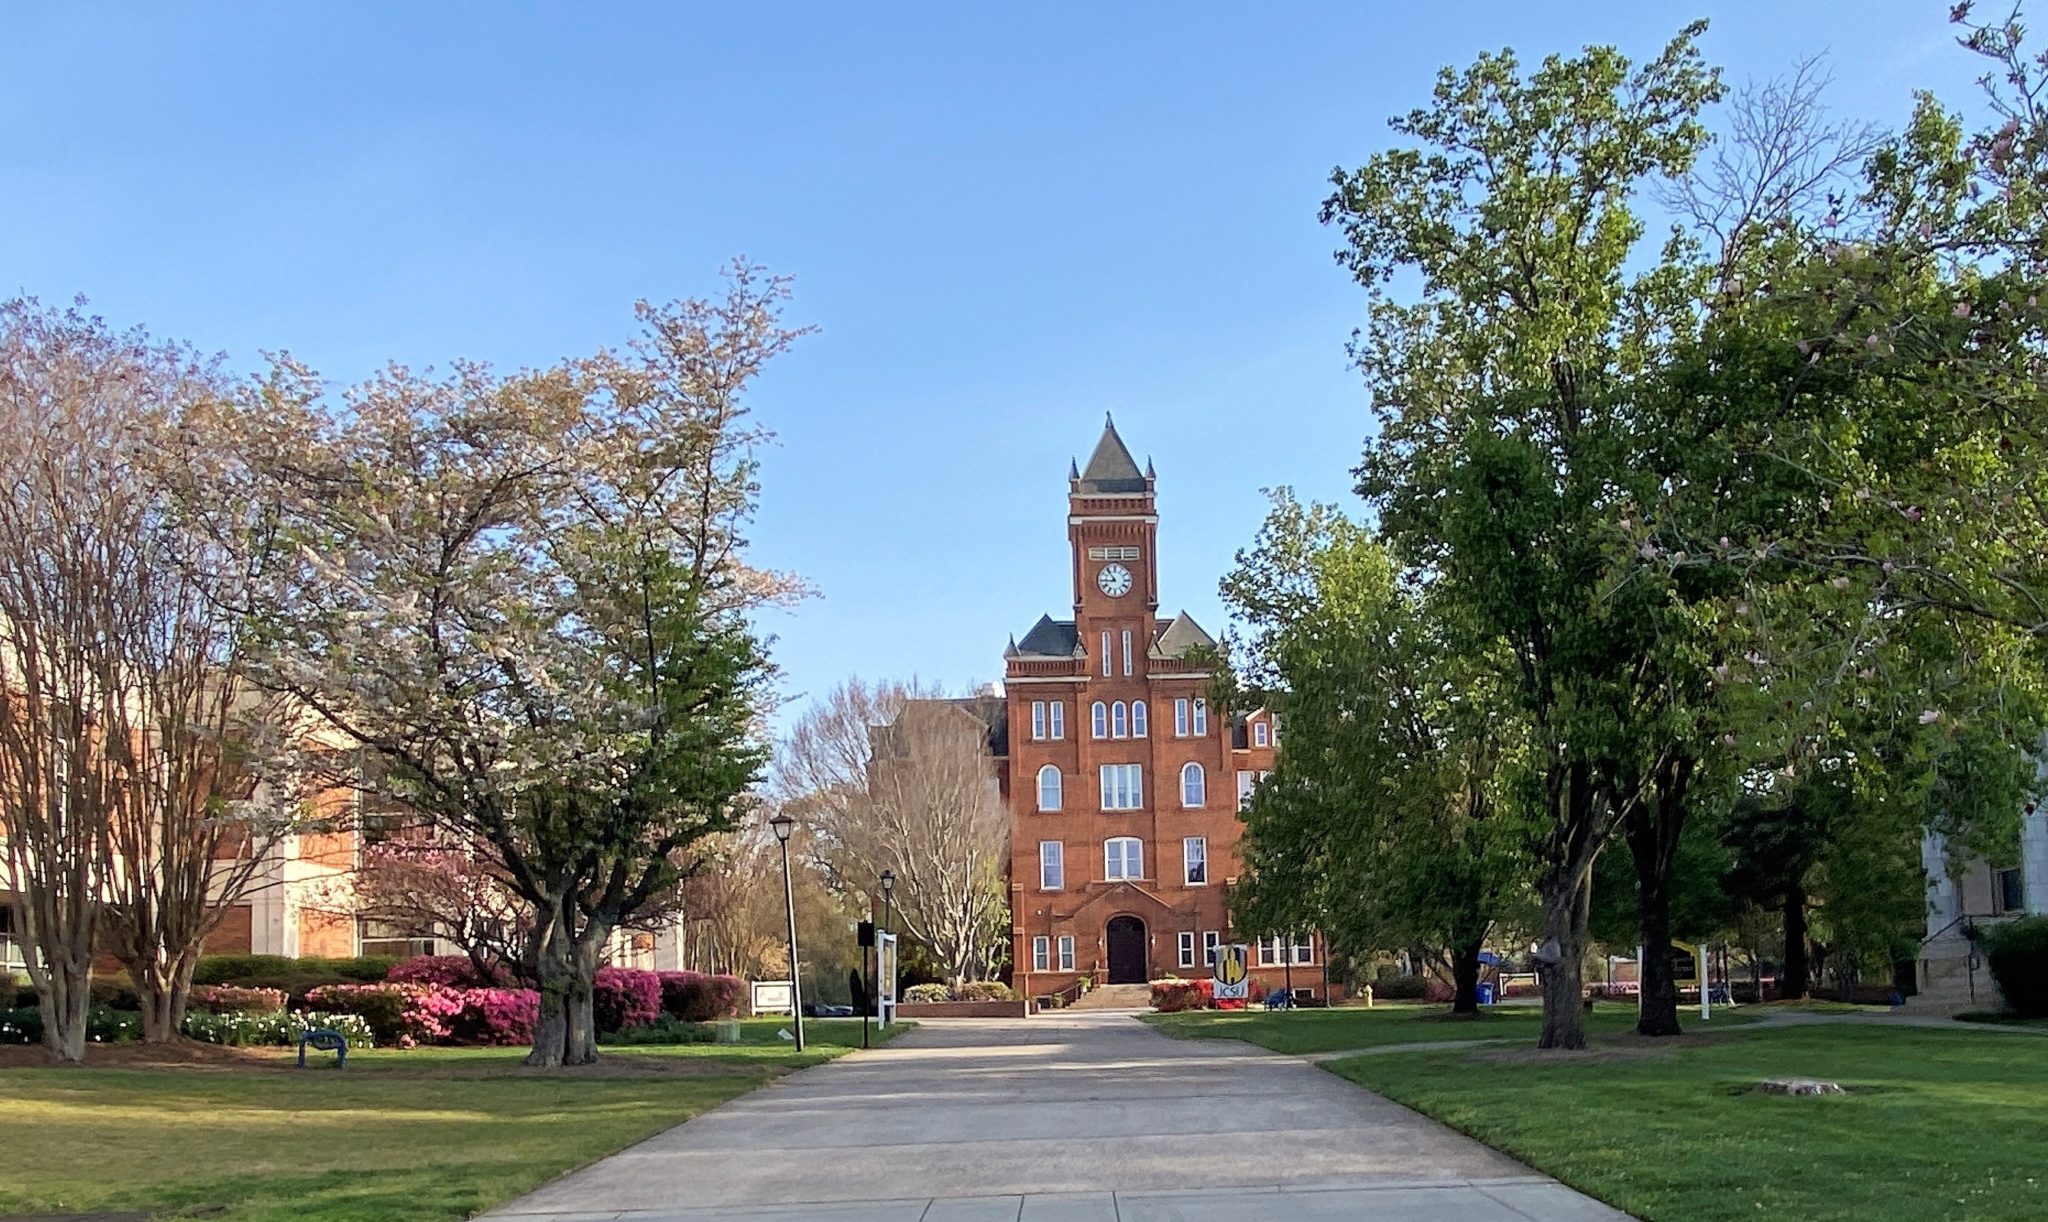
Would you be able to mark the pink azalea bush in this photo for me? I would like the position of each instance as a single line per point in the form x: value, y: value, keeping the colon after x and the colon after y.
x: 400, y: 1015
x: 1173, y: 995
x: 695, y: 997
x: 626, y: 997
x: 228, y: 999
x: 496, y: 1016
x: 448, y: 971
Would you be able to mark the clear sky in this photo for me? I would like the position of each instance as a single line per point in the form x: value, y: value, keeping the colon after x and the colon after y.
x: 1005, y: 219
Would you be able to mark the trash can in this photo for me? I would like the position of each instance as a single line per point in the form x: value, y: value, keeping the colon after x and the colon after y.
x: 1485, y: 992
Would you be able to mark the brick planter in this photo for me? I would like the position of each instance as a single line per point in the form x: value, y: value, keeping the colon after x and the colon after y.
x: 963, y: 1009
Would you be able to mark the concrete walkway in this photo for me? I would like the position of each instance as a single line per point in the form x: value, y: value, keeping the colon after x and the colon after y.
x: 1070, y: 1117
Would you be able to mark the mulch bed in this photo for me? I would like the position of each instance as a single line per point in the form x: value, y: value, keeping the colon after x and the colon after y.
x: 179, y: 1054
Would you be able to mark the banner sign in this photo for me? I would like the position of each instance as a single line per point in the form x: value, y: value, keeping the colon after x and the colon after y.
x: 1233, y: 972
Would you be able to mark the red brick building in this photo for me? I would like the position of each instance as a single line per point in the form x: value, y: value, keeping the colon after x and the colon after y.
x: 1123, y: 782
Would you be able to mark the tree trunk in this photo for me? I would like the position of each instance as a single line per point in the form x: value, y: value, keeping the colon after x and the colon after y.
x: 1567, y: 906
x: 1794, y: 976
x: 165, y: 994
x: 1652, y: 832
x: 580, y: 1047
x: 1465, y: 977
x: 64, y: 1001
x: 553, y: 971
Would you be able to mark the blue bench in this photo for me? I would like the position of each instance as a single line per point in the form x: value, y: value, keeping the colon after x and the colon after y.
x: 324, y: 1039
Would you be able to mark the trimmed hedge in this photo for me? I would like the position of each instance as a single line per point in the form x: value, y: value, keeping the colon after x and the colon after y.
x: 400, y: 1015
x: 984, y: 990
x: 2017, y: 952
x: 230, y: 999
x: 625, y: 997
x: 448, y: 971
x: 24, y: 1025
x: 694, y: 997
x: 225, y: 969
x: 925, y: 994
x: 504, y: 1017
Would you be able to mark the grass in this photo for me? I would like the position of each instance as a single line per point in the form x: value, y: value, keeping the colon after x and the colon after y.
x: 1347, y: 1027
x: 1937, y: 1124
x: 432, y: 1133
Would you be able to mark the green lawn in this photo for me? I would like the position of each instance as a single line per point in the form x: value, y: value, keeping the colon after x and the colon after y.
x: 436, y: 1133
x: 1937, y: 1124
x: 1303, y: 1031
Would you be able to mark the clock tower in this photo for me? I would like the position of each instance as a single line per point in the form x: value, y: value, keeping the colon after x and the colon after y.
x: 1123, y: 781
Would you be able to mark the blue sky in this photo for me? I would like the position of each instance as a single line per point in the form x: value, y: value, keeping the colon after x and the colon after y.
x: 1005, y: 221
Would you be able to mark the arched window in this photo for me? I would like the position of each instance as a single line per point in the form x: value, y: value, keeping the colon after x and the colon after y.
x: 1119, y: 722
x: 1100, y: 716
x: 1137, y: 719
x: 1123, y: 857
x: 1194, y: 788
x: 1049, y: 787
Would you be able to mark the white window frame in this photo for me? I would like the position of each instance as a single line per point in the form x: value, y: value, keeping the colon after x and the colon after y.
x: 1194, y: 854
x: 1269, y: 952
x: 1137, y: 719
x: 1058, y: 710
x: 1201, y: 717
x: 1247, y: 782
x: 1041, y: 954
x: 1304, y: 948
x: 1260, y: 736
x: 1127, y: 653
x: 1123, y: 786
x: 1119, y: 720
x: 1098, y: 719
x: 1180, y: 717
x: 1117, y: 863
x: 1052, y: 865
x: 1195, y: 796
x: 1106, y: 659
x: 1066, y: 948
x: 1038, y: 720
x: 1187, y: 948
x: 1212, y: 941
x: 1059, y: 788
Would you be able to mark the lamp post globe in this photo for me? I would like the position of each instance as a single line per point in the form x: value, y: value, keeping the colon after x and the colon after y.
x: 782, y: 825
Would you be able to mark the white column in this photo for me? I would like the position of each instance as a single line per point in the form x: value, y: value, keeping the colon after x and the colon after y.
x: 2034, y: 860
x: 1944, y: 904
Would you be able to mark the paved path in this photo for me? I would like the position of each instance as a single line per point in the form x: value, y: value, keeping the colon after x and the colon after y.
x: 1060, y: 1118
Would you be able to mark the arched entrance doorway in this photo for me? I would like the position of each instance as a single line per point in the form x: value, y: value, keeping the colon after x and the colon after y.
x: 1126, y: 938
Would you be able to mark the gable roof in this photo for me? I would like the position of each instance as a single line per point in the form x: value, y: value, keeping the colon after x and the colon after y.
x: 1111, y: 470
x: 1048, y: 638
x: 1182, y: 635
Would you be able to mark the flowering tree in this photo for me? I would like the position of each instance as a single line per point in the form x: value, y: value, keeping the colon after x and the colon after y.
x: 526, y: 595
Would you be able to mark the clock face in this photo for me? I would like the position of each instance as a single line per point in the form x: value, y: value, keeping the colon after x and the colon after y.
x: 1115, y: 580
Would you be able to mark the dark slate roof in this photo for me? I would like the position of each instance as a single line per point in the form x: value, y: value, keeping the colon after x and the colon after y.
x: 1111, y: 470
x: 1180, y: 636
x: 1049, y: 638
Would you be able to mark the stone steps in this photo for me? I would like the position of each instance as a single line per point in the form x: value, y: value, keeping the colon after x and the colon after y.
x: 1115, y: 997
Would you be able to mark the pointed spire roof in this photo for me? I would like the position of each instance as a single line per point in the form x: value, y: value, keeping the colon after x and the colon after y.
x: 1111, y: 470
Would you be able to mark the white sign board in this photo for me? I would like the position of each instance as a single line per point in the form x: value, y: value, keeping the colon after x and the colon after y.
x: 1233, y: 976
x: 885, y: 977
x: 773, y: 997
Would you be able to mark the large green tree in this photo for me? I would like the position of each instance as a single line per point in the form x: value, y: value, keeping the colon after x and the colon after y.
x: 1507, y: 447
x: 1382, y: 821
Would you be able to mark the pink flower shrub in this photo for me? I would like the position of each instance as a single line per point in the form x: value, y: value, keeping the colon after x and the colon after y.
x: 695, y: 997
x: 448, y: 971
x: 400, y: 1015
x: 228, y: 999
x: 1172, y: 996
x: 626, y: 997
x: 496, y: 1016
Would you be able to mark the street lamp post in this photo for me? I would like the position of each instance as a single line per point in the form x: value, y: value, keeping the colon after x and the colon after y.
x: 888, y: 916
x: 783, y: 825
